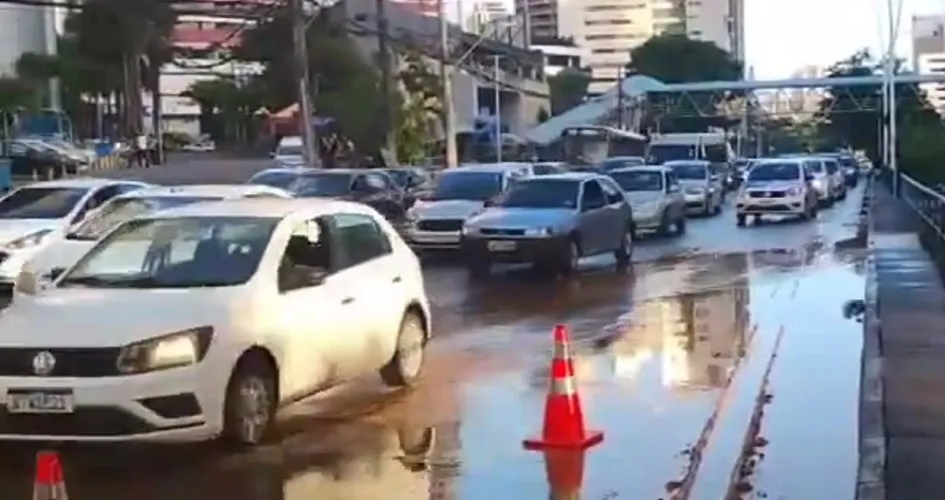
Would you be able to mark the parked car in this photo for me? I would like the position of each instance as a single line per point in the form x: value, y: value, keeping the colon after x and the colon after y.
x: 281, y: 177
x: 701, y: 186
x: 551, y: 221
x: 31, y: 157
x: 415, y: 182
x: 289, y: 152
x: 656, y: 197
x: 781, y: 187
x: 203, y: 320
x: 436, y: 221
x: 66, y: 248
x: 851, y: 171
x: 35, y: 215
x: 371, y: 187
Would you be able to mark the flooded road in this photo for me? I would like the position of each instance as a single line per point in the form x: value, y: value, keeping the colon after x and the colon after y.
x: 720, y: 366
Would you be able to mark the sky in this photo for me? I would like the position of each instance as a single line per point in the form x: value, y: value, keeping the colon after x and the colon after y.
x: 782, y: 36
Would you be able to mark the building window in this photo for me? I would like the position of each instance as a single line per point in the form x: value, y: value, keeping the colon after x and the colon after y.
x: 607, y: 22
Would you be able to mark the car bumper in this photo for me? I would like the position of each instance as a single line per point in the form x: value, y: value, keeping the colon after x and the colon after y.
x: 647, y: 221
x: 787, y: 206
x: 520, y: 250
x: 433, y: 240
x: 164, y: 406
x: 696, y: 202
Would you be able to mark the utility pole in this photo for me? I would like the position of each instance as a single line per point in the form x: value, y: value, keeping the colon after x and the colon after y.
x: 299, y: 25
x: 620, y: 76
x: 498, y: 109
x: 446, y: 92
x: 387, y: 115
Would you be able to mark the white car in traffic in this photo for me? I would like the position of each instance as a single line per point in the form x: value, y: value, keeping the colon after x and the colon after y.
x: 203, y: 320
x: 64, y: 251
x: 781, y: 187
x: 436, y: 221
x: 34, y: 216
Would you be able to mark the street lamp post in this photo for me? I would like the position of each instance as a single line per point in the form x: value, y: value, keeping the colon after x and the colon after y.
x: 498, y: 109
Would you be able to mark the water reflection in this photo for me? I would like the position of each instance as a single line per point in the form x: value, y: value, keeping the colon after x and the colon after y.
x: 698, y: 336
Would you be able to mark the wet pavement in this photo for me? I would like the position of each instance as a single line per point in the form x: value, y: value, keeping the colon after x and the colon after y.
x: 721, y: 364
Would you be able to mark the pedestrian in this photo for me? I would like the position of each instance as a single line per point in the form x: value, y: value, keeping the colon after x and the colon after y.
x: 141, y: 151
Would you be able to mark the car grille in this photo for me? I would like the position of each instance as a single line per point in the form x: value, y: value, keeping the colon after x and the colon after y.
x: 440, y: 225
x: 72, y: 362
x: 502, y: 232
x: 85, y: 421
x: 767, y: 194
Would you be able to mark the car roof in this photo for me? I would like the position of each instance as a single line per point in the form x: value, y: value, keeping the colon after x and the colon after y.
x: 639, y: 168
x: 567, y: 176
x: 291, y: 140
x: 262, y: 207
x: 346, y: 171
x: 498, y: 168
x: 286, y: 170
x: 797, y: 160
x: 208, y: 190
x: 81, y: 182
x: 704, y: 163
x: 622, y: 158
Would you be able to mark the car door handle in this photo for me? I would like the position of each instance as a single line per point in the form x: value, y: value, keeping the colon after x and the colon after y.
x: 397, y: 279
x: 347, y: 300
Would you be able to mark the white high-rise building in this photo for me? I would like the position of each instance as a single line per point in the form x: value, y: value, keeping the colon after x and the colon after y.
x: 609, y: 29
x: 928, y: 52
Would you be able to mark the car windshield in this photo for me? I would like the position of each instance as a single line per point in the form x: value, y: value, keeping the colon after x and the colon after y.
x: 473, y: 186
x: 400, y: 177
x: 275, y: 179
x: 689, y: 171
x: 847, y: 162
x: 775, y: 172
x: 638, y: 180
x: 40, y: 202
x: 662, y: 153
x: 548, y: 193
x: 123, y: 209
x: 177, y: 252
x: 322, y: 184
x: 289, y: 151
x: 615, y: 163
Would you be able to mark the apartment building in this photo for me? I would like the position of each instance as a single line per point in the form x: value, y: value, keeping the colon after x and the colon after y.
x: 928, y: 55
x: 484, y: 16
x: 560, y: 54
x: 609, y: 29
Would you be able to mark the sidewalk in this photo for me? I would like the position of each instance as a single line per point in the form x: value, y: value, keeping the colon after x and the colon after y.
x: 910, y: 305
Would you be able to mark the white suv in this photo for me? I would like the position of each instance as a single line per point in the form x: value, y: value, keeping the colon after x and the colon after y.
x: 777, y: 187
x: 204, y: 320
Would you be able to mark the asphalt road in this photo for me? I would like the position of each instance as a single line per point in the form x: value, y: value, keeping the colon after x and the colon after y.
x: 721, y: 362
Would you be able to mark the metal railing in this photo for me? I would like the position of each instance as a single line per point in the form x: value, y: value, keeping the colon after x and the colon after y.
x: 928, y: 204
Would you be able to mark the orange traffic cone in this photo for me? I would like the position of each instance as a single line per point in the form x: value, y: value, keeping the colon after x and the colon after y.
x: 564, y: 419
x: 565, y: 472
x: 49, y: 483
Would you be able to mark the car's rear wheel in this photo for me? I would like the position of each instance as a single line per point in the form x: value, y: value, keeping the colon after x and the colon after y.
x: 624, y: 252
x: 406, y: 365
x: 681, y: 224
x: 250, y: 407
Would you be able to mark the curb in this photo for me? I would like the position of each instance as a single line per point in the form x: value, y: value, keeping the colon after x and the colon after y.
x: 871, y: 481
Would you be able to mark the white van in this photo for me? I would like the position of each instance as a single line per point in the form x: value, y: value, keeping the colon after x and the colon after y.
x: 711, y: 146
x: 289, y: 152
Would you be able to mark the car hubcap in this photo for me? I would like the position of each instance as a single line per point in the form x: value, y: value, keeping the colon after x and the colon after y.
x: 410, y: 350
x: 628, y: 242
x: 254, y: 404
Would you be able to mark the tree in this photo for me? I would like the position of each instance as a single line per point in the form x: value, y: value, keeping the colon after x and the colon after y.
x: 420, y: 107
x: 673, y: 58
x: 851, y: 116
x: 568, y: 89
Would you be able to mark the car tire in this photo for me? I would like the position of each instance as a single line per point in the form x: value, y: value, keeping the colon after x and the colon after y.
x: 666, y: 226
x: 251, y: 398
x: 406, y: 365
x: 680, y: 225
x: 624, y: 252
x: 740, y: 220
x: 568, y: 261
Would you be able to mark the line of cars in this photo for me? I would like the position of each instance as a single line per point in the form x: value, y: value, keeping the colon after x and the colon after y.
x: 795, y: 185
x: 47, y: 157
x: 154, y: 313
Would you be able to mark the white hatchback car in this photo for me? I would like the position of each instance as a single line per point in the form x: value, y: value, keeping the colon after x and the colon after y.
x: 203, y: 320
x: 74, y: 243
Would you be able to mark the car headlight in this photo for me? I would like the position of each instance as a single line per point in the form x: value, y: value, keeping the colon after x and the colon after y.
x: 30, y: 240
x: 182, y: 348
x: 794, y: 192
x: 469, y: 230
x: 539, y: 231
x: 818, y: 183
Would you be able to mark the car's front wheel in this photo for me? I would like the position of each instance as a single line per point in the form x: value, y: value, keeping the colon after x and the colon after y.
x: 250, y: 407
x: 406, y: 366
x: 624, y: 252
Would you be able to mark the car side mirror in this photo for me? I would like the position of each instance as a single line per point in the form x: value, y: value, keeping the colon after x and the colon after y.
x: 809, y: 178
x: 302, y: 276
x: 56, y: 272
x: 714, y: 178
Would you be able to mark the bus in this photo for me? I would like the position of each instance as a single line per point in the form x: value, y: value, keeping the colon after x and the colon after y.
x: 590, y: 144
x: 711, y: 146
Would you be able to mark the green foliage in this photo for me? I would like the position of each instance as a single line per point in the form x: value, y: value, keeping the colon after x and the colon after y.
x: 921, y: 152
x: 226, y: 109
x: 420, y: 107
x: 852, y: 116
x: 673, y: 58
x: 568, y: 89
x: 15, y: 93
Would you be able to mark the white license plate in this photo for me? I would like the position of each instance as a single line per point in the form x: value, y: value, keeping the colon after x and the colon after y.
x: 40, y: 402
x: 501, y: 246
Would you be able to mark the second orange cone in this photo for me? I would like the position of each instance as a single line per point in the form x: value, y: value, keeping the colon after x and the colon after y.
x: 49, y: 483
x: 564, y: 419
